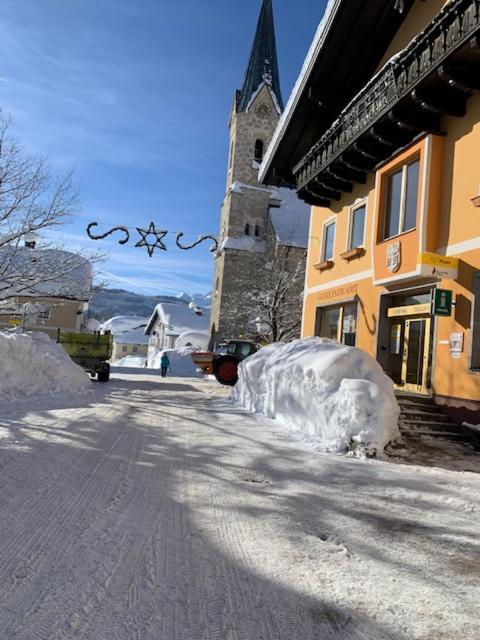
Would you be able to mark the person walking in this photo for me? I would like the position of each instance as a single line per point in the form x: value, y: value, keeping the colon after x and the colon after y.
x: 164, y: 364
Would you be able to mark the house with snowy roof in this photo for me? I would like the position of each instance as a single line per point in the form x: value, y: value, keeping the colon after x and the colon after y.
x: 44, y: 289
x: 263, y: 229
x: 170, y: 321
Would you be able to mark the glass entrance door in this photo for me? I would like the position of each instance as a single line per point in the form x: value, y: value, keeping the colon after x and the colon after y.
x: 416, y: 355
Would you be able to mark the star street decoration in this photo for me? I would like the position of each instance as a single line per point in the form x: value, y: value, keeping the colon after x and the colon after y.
x: 152, y: 239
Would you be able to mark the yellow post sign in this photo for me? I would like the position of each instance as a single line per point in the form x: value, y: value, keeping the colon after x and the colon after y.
x: 14, y: 322
x: 433, y: 265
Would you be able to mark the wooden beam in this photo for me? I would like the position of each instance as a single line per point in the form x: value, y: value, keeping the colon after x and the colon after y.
x: 444, y: 105
x: 311, y: 199
x: 416, y: 121
x: 319, y: 189
x: 347, y: 171
x: 334, y: 182
x: 460, y: 78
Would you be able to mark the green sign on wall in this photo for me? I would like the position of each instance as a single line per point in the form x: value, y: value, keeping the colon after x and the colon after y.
x: 442, y: 302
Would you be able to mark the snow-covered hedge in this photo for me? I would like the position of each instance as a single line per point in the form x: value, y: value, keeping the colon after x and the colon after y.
x: 181, y: 363
x: 334, y: 395
x: 32, y: 363
x: 130, y: 361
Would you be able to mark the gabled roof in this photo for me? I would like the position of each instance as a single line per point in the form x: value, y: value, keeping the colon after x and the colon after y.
x: 263, y: 64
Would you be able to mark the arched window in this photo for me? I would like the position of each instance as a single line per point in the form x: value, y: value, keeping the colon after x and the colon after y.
x: 247, y: 229
x: 257, y: 230
x: 258, y: 157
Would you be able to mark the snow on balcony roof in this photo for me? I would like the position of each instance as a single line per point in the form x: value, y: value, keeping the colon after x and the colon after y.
x: 312, y: 55
x: 132, y: 337
x: 290, y: 220
x: 178, y: 319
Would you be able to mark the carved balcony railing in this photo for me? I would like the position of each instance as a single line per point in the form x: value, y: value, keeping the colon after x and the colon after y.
x: 402, y: 81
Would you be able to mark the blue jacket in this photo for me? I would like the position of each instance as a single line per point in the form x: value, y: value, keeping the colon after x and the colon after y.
x: 164, y: 361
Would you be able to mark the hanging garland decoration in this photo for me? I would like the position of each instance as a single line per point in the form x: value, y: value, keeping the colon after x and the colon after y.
x: 213, y: 248
x: 151, y: 238
x: 104, y: 235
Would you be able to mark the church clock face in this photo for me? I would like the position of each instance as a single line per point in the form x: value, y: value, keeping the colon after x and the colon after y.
x: 263, y: 111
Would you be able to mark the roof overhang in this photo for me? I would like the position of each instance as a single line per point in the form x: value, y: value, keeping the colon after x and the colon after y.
x: 347, y: 48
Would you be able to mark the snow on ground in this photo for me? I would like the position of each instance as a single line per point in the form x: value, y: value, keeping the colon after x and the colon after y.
x: 330, y: 393
x: 130, y: 361
x: 31, y: 363
x: 181, y: 363
x: 157, y: 510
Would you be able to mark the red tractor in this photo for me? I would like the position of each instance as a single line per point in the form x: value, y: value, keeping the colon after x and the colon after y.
x: 224, y: 360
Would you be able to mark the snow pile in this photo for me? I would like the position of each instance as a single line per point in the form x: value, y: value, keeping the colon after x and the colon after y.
x: 137, y: 337
x: 130, y: 361
x: 32, y: 363
x: 244, y: 243
x: 196, y: 339
x: 181, y: 363
x: 331, y: 393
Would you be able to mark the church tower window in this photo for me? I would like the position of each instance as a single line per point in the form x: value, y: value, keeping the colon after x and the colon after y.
x: 257, y: 230
x: 247, y: 229
x: 258, y: 157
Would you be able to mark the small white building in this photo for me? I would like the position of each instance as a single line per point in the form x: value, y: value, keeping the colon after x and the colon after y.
x: 169, y: 321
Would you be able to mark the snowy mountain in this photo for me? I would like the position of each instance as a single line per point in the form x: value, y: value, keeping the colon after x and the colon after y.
x: 200, y: 299
x: 107, y: 303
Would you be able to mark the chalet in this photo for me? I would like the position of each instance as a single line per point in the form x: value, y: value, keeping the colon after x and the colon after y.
x: 381, y: 137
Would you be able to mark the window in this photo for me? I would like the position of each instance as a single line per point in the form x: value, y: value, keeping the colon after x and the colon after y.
x: 230, y: 162
x: 135, y: 349
x: 357, y: 227
x: 124, y: 348
x: 401, y: 200
x: 328, y: 241
x: 247, y: 229
x: 258, y: 155
x: 44, y: 313
x: 257, y: 230
x: 338, y: 323
x: 475, y: 333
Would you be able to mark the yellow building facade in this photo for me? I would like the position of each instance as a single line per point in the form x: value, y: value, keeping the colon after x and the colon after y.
x: 394, y: 248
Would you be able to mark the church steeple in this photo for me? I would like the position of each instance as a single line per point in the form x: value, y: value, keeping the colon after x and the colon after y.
x: 263, y: 65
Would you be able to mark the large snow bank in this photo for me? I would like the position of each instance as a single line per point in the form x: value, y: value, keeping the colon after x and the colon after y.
x: 331, y: 393
x: 32, y: 363
x: 181, y: 363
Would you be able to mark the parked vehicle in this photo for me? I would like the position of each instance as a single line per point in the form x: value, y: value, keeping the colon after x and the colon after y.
x: 89, y: 350
x: 224, y: 360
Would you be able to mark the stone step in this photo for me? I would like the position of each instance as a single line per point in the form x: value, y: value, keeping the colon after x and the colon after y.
x: 404, y: 404
x: 423, y: 416
x: 429, y: 424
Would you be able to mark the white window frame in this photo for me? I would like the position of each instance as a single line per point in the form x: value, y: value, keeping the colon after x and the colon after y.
x: 326, y: 224
x: 403, y: 168
x: 354, y: 208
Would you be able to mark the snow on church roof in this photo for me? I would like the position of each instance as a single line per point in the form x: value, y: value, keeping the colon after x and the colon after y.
x: 291, y: 219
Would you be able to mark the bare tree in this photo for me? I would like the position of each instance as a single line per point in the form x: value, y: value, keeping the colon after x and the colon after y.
x: 31, y: 202
x: 278, y: 298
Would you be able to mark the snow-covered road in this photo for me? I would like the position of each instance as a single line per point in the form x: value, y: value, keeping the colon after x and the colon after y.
x: 153, y: 510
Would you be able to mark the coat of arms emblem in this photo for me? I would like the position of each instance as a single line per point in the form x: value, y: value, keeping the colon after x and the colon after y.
x: 394, y: 256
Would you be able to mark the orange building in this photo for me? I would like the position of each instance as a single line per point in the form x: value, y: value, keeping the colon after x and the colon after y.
x: 382, y: 137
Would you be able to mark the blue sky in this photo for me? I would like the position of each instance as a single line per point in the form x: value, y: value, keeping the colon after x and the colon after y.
x: 134, y: 95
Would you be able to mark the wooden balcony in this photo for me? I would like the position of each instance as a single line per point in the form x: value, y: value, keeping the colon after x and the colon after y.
x: 432, y: 77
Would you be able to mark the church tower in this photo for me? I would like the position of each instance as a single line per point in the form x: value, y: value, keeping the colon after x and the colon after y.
x: 244, y: 224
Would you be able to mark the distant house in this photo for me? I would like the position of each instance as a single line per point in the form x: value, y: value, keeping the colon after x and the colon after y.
x: 129, y: 337
x: 169, y: 321
x: 45, y: 303
x: 130, y: 343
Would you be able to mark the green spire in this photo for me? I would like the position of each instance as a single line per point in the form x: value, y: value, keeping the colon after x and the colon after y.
x: 263, y: 64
